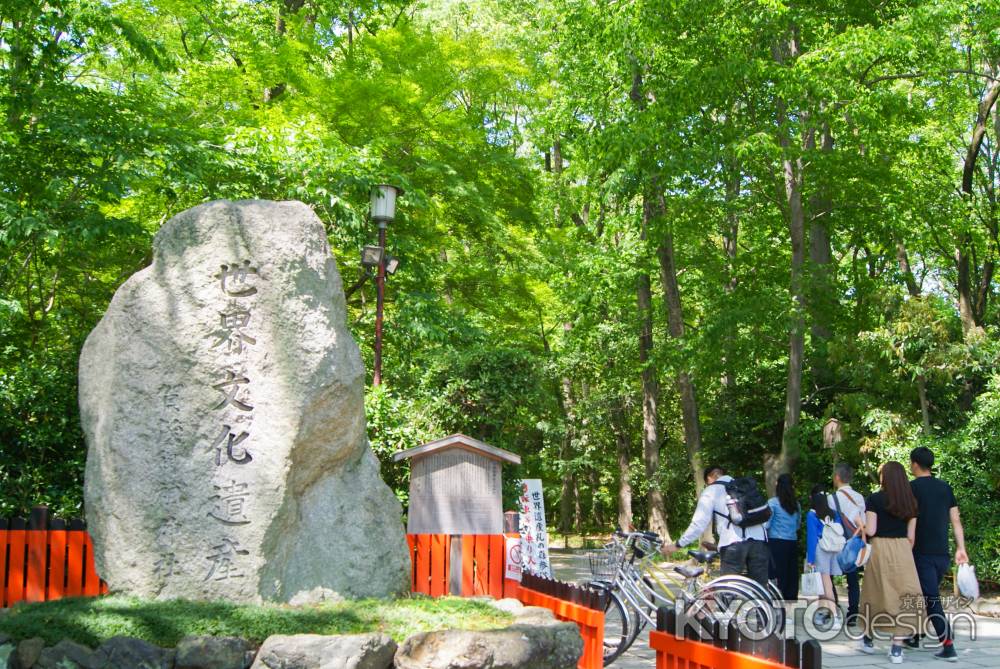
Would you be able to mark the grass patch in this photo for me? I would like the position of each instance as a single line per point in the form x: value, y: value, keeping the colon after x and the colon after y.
x: 91, y: 620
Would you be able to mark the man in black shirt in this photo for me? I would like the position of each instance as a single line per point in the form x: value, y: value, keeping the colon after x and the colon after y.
x: 937, y: 509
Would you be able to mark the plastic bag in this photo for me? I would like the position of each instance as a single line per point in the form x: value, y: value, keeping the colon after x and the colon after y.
x: 968, y: 586
x: 811, y: 584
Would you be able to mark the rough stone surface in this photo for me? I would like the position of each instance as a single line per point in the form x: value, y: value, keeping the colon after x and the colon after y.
x: 315, y: 596
x: 209, y: 652
x: 122, y: 652
x: 288, y: 497
x: 27, y: 652
x: 556, y: 646
x: 66, y: 655
x: 534, y: 615
x: 507, y: 605
x: 313, y: 651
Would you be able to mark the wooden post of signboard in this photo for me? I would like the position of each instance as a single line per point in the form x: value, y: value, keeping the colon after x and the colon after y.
x: 455, y: 566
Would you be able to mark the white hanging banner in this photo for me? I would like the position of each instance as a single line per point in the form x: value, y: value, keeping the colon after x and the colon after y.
x: 512, y: 568
x: 534, y: 536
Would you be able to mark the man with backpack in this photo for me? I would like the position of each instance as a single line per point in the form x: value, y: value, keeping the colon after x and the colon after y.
x: 740, y: 511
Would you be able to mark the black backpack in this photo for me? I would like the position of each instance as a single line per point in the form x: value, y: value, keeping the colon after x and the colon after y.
x: 747, y: 505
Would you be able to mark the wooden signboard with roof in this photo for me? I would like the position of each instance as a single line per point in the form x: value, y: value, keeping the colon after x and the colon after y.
x: 455, y: 486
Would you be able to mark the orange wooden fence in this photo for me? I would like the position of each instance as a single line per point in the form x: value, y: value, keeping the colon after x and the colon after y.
x: 680, y: 646
x: 590, y: 622
x: 482, y: 565
x: 42, y: 560
x: 672, y: 652
x: 482, y: 573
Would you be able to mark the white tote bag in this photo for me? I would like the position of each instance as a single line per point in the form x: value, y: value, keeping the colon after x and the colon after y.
x: 811, y: 584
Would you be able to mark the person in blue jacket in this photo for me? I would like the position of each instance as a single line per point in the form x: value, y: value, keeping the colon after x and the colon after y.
x: 825, y: 562
x: 783, y: 537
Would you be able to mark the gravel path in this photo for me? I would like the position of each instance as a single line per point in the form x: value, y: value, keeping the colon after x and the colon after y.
x: 976, y: 648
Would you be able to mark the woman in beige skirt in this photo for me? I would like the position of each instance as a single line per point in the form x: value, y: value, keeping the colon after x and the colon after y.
x: 891, y: 599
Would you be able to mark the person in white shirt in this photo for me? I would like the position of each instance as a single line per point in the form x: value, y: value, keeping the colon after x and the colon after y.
x: 852, y: 512
x: 742, y: 550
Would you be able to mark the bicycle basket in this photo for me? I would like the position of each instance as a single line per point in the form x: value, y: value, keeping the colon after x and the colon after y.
x: 604, y: 563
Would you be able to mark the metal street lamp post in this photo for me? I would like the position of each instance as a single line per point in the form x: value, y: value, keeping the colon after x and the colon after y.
x: 383, y: 210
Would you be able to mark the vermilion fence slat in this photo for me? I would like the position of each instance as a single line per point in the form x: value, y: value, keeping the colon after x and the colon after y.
x: 482, y: 580
x: 423, y: 570
x: 439, y: 565
x: 91, y: 584
x: 74, y: 562
x: 468, y: 565
x: 16, y: 539
x: 671, y: 652
x: 411, y: 543
x: 57, y: 564
x: 37, y: 569
x: 497, y: 552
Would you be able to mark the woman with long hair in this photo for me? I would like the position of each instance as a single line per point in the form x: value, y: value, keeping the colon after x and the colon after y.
x: 891, y: 599
x: 783, y: 537
x: 819, y: 518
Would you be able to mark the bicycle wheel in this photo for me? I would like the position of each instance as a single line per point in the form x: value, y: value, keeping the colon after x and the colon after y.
x: 617, y: 624
x: 745, y: 603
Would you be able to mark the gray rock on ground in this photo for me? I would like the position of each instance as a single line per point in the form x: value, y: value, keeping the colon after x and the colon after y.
x: 222, y: 398
x: 66, y: 655
x: 313, y: 651
x: 210, y: 652
x: 555, y: 646
x: 122, y: 652
x: 26, y: 653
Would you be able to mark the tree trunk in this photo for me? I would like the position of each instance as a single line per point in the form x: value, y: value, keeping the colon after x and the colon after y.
x: 577, y: 507
x: 596, y: 510
x: 730, y: 235
x: 925, y: 409
x: 650, y: 394
x: 567, y: 496
x: 685, y: 384
x: 623, y: 448
x: 792, y: 180
x: 286, y: 9
x: 903, y: 259
x: 822, y: 297
x: 970, y: 311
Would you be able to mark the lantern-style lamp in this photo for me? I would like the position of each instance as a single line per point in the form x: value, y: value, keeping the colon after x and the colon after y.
x: 383, y: 207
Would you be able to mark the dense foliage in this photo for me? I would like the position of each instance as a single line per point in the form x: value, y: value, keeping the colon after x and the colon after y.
x: 637, y: 236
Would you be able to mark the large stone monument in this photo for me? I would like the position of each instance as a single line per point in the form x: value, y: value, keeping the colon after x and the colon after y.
x: 222, y: 398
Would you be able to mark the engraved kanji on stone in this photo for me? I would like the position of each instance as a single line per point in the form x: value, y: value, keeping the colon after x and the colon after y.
x: 230, y: 504
x: 166, y: 566
x: 235, y: 279
x: 229, y: 388
x: 224, y: 565
x: 233, y: 320
x: 232, y: 442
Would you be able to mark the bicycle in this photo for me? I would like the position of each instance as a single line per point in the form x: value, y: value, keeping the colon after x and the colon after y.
x: 637, y: 586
